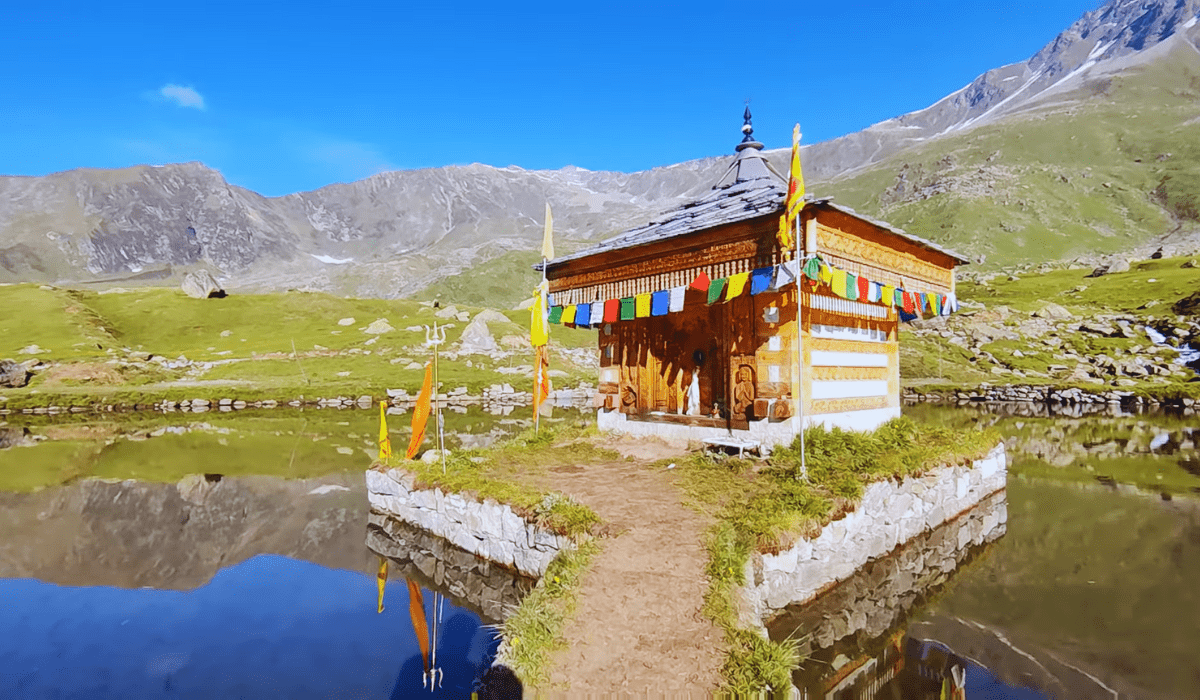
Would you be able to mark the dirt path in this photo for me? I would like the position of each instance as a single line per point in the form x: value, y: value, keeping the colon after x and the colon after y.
x: 638, y: 628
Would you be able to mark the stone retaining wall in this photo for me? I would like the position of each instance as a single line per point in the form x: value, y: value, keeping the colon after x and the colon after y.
x: 889, y: 515
x: 489, y: 590
x: 489, y: 529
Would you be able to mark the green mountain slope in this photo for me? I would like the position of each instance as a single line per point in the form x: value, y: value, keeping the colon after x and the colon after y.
x: 1102, y: 169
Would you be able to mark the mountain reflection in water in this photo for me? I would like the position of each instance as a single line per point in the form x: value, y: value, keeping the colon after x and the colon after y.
x: 238, y: 587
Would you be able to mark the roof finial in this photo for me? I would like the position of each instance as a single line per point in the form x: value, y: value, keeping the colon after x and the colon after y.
x: 748, y: 129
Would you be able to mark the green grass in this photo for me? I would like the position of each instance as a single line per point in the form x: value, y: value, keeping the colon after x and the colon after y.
x: 96, y: 334
x: 534, y: 631
x: 500, y: 283
x: 768, y: 508
x: 508, y: 472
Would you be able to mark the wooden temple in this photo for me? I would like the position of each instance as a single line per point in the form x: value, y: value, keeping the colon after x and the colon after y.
x: 697, y: 312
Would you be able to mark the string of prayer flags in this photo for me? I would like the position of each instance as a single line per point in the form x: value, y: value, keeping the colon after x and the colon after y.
x: 737, y: 285
x: 760, y: 280
x: 844, y: 284
x: 659, y: 302
x: 716, y: 289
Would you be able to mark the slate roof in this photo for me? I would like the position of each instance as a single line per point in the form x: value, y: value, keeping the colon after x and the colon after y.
x: 754, y: 190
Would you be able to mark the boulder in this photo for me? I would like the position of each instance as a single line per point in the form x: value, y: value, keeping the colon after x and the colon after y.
x: 378, y: 327
x: 1052, y: 311
x: 13, y: 374
x: 477, y: 339
x: 448, y: 312
x: 348, y: 321
x: 201, y: 285
x: 1114, y: 266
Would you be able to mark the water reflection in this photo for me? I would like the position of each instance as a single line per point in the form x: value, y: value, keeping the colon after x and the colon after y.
x: 214, y: 587
x: 848, y: 634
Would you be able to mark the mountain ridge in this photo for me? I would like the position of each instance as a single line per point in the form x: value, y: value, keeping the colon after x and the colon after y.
x: 399, y: 233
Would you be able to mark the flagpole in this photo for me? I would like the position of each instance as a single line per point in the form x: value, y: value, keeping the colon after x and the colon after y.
x: 800, y: 349
x: 537, y: 361
x: 437, y: 407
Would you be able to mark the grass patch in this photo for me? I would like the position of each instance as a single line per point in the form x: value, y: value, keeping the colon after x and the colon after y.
x: 534, y: 631
x: 766, y: 508
x: 509, y: 473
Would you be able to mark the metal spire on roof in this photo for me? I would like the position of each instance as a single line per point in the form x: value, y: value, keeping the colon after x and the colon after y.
x: 748, y: 129
x: 749, y: 164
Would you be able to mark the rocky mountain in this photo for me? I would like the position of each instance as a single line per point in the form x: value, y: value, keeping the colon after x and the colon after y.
x: 1086, y: 149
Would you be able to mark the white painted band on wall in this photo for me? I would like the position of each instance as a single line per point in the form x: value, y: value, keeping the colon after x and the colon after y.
x: 828, y: 358
x: 866, y: 335
x: 845, y: 306
x: 855, y: 389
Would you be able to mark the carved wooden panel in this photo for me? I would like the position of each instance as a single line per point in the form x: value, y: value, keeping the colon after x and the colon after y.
x: 845, y: 405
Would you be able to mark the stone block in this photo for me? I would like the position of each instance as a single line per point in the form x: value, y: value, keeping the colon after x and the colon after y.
x: 785, y: 561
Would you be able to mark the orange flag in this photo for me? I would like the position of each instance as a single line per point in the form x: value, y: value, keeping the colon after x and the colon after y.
x: 421, y: 413
x: 416, y: 613
x: 541, y: 376
x: 385, y: 443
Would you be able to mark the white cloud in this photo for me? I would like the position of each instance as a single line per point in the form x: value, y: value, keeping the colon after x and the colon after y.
x: 182, y: 96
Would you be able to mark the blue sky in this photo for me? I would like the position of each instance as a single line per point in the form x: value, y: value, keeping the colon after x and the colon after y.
x: 285, y: 97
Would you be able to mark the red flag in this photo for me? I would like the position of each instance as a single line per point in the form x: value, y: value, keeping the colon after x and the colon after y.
x: 701, y: 282
x: 864, y: 288
x: 421, y: 413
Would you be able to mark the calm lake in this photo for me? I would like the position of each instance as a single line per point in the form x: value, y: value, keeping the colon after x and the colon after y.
x: 227, y: 555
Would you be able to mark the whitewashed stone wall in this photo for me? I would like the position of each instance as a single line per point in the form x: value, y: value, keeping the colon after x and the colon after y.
x: 489, y: 529
x: 889, y: 515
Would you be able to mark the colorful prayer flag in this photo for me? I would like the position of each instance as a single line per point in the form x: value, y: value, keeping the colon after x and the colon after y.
x: 385, y: 443
x: 826, y: 274
x: 421, y: 413
x: 716, y: 289
x: 785, y: 274
x: 888, y: 295
x: 568, y: 314
x: 612, y: 310
x: 737, y: 285
x: 548, y: 235
x: 812, y: 269
x: 677, y: 296
x: 760, y: 280
x: 864, y: 288
x: 597, y: 313
x: 659, y: 302
x: 839, y: 283
x: 641, y: 305
x: 628, y: 309
x: 556, y: 313
x: 909, y: 304
x: 701, y: 282
x: 583, y: 314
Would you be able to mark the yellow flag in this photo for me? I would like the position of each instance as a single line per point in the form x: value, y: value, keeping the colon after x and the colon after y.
x: 385, y: 443
x: 795, y: 196
x: 737, y: 284
x: 539, y: 327
x: 421, y: 413
x: 641, y: 306
x: 548, y: 235
x: 381, y: 579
